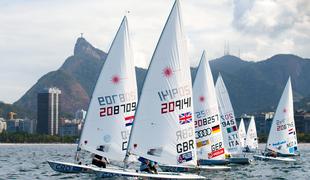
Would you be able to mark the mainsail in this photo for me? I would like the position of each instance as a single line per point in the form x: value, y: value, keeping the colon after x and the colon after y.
x: 242, y: 133
x: 282, y: 136
x: 251, y: 136
x: 207, y: 119
x: 229, y: 125
x: 163, y: 130
x: 113, y: 103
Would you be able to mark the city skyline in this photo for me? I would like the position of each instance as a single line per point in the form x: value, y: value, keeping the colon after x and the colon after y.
x: 37, y: 36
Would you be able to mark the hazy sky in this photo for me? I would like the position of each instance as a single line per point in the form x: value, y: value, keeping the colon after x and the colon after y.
x: 37, y: 35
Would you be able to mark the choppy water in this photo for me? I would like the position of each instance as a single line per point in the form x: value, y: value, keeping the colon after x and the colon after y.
x: 28, y: 161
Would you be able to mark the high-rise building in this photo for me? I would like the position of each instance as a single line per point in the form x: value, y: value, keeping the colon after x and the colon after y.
x: 48, y: 111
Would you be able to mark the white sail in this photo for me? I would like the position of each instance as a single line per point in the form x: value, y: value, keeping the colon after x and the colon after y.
x: 251, y: 135
x: 282, y: 136
x: 164, y: 128
x: 228, y: 121
x: 242, y: 133
x: 113, y: 103
x: 208, y: 133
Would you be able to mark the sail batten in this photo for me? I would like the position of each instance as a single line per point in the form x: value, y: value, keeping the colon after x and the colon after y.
x: 112, y: 106
x: 282, y: 136
x: 208, y: 133
x: 163, y: 130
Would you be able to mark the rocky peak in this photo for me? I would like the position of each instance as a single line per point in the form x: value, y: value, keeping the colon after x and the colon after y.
x: 84, y: 48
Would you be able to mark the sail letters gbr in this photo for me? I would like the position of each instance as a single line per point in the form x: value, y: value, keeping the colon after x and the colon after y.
x: 176, y: 101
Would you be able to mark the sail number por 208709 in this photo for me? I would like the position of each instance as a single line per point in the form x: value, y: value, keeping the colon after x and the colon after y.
x: 112, y: 110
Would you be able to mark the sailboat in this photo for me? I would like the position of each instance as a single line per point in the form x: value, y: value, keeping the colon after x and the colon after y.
x: 209, y: 140
x: 163, y: 129
x: 282, y: 139
x: 251, y: 143
x: 111, y: 110
x: 210, y: 147
x: 242, y: 133
x: 229, y: 124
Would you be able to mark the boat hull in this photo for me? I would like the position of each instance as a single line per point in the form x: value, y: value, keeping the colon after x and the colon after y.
x: 66, y: 167
x: 173, y: 168
x: 108, y: 172
x: 239, y: 160
x: 269, y: 158
x: 213, y: 162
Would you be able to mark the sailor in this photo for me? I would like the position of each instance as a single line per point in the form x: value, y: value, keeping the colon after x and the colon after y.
x: 99, y: 161
x: 148, y: 165
x: 247, y: 149
x: 271, y: 153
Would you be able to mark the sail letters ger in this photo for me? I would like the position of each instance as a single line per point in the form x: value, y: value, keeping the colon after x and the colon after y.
x: 207, y: 118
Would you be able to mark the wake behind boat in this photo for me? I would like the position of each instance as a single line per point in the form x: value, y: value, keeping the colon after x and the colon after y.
x: 270, y: 158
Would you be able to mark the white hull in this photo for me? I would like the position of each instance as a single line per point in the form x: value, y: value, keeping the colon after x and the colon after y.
x: 269, y: 158
x: 174, y: 168
x: 66, y: 167
x: 104, y: 173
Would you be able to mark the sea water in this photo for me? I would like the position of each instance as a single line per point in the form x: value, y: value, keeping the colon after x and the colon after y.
x: 28, y: 161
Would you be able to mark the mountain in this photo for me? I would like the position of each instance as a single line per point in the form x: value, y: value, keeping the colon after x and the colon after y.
x: 6, y: 108
x: 253, y: 86
x: 76, y: 79
x: 258, y: 86
x: 228, y: 64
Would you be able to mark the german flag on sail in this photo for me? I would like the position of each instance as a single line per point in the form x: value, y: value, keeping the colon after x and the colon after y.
x: 231, y: 129
x: 203, y: 143
x: 216, y: 129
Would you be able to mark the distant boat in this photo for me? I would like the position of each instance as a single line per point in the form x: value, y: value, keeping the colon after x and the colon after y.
x: 210, y: 145
x: 242, y: 133
x: 282, y: 139
x: 251, y: 143
x: 229, y: 125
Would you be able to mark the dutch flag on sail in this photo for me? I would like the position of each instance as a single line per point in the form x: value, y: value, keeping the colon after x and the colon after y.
x: 291, y: 131
x: 129, y: 120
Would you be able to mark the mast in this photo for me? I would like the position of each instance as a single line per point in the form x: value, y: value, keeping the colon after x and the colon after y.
x: 282, y: 135
x: 228, y: 121
x: 207, y: 119
x: 112, y: 106
x: 163, y: 130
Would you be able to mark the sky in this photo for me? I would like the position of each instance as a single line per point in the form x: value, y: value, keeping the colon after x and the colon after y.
x: 36, y: 36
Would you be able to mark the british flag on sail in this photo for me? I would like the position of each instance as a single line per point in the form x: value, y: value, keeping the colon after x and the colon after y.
x: 185, y: 118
